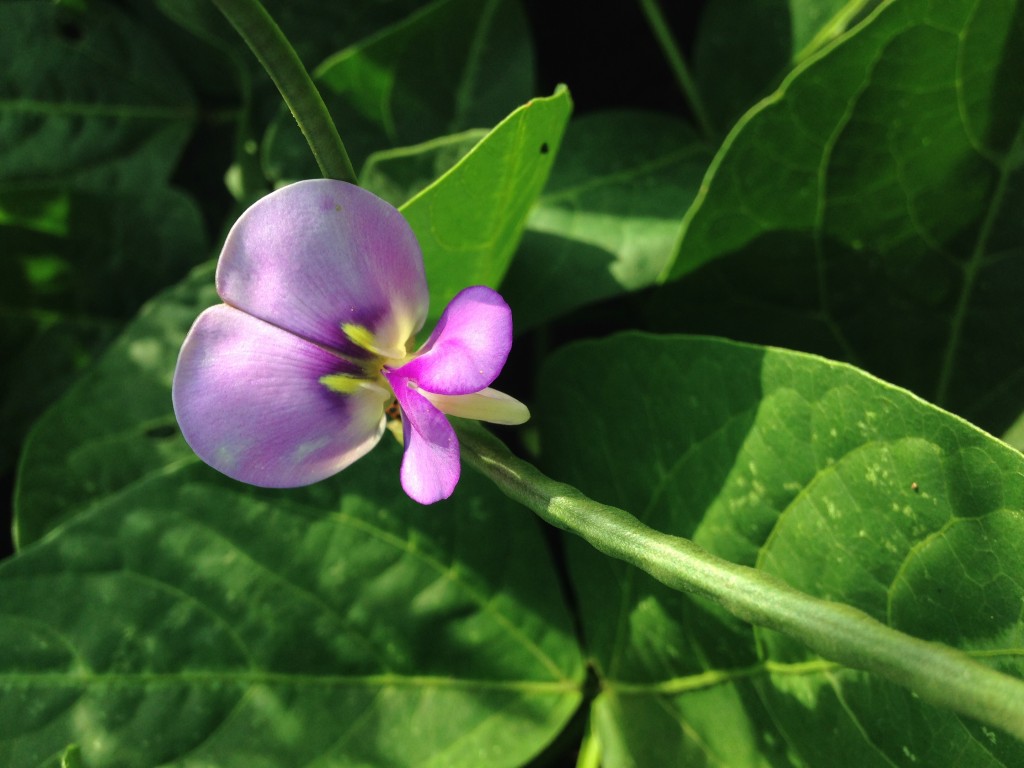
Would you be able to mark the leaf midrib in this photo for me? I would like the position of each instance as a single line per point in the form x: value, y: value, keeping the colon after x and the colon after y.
x: 77, y: 108
x: 484, y: 604
x: 971, y: 270
x: 250, y: 677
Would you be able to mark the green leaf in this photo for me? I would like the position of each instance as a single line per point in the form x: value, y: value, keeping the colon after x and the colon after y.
x: 469, y: 221
x: 608, y: 219
x: 450, y: 66
x: 434, y: 73
x: 340, y: 624
x: 870, y: 209
x: 841, y: 485
x: 42, y: 355
x: 100, y: 252
x: 316, y: 29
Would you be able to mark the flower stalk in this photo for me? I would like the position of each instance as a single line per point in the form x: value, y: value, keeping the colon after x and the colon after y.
x: 261, y: 33
x: 938, y: 674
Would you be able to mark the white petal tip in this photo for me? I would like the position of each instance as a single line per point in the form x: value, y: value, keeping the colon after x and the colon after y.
x: 488, y: 405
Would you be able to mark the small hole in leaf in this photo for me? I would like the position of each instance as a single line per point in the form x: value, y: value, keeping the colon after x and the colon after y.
x: 162, y: 431
x: 544, y: 148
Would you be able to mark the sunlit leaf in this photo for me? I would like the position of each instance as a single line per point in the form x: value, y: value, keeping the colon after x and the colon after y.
x: 841, y: 485
x: 192, y: 620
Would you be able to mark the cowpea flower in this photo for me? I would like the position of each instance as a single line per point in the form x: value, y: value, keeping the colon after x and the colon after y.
x: 312, y: 354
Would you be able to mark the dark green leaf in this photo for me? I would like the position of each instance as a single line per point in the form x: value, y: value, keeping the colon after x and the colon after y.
x: 870, y: 208
x: 735, y: 64
x: 745, y: 47
x: 100, y: 253
x: 92, y: 100
x: 315, y: 29
x: 608, y: 219
x: 93, y: 119
x: 69, y: 281
x: 841, y: 485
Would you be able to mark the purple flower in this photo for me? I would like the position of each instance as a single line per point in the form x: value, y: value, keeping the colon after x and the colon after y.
x: 291, y: 379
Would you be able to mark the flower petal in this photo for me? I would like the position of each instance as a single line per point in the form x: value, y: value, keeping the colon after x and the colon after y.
x: 318, y: 255
x: 430, y: 464
x: 250, y: 403
x: 468, y: 349
x: 486, y: 405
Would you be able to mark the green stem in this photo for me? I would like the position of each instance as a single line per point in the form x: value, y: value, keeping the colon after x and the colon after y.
x: 677, y: 63
x: 277, y: 56
x: 938, y: 674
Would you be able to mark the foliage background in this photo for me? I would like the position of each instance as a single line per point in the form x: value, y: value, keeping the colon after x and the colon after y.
x: 867, y: 208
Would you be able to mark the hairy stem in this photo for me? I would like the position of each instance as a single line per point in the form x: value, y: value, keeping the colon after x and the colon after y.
x: 277, y: 56
x: 938, y: 674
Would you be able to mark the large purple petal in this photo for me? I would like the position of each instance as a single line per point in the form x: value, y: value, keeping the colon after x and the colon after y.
x: 430, y: 465
x: 319, y: 254
x: 468, y: 349
x: 249, y: 401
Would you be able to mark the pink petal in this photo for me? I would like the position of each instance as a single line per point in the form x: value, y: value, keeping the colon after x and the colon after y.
x: 468, y: 349
x: 319, y: 254
x: 430, y: 465
x: 249, y: 401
